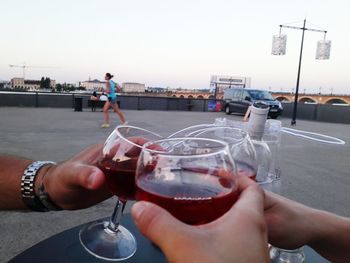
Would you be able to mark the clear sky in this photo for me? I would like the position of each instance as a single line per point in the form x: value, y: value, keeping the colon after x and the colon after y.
x: 177, y: 43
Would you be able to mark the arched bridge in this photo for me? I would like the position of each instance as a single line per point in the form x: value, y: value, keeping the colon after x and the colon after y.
x: 287, y: 97
x: 314, y: 98
x: 195, y: 95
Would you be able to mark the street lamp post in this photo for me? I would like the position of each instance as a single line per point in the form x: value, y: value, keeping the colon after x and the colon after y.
x: 216, y: 90
x: 293, y: 122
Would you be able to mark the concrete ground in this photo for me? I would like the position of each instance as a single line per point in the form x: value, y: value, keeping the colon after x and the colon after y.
x: 313, y: 173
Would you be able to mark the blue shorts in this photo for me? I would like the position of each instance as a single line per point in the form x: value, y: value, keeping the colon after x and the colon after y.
x: 112, y: 100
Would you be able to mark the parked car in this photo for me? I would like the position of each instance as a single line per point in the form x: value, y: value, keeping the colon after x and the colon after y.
x: 238, y: 100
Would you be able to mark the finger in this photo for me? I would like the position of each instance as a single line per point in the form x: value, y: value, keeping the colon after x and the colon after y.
x: 90, y: 155
x: 158, y: 225
x: 135, y: 150
x: 249, y: 206
x: 270, y: 199
x: 252, y: 196
x: 76, y: 175
x: 244, y: 182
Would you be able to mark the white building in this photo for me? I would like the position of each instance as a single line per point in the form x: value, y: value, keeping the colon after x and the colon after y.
x: 222, y: 82
x: 133, y: 87
x: 29, y: 85
x: 94, y: 85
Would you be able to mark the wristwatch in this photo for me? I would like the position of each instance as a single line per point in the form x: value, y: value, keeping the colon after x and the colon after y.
x: 28, y: 190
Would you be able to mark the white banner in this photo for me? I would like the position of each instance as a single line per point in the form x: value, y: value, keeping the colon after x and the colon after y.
x: 279, y: 44
x: 323, y: 49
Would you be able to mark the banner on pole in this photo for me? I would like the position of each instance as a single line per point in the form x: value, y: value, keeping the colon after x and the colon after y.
x: 323, y: 50
x: 279, y: 44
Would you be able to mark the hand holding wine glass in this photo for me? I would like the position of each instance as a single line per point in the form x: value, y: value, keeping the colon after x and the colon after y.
x: 76, y: 183
x: 108, y: 239
x: 231, y: 238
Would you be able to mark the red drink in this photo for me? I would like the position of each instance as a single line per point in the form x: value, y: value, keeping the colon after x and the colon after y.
x: 192, y: 196
x: 246, y: 170
x: 120, y: 177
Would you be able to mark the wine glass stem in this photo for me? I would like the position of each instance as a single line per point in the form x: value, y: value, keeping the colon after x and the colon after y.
x: 114, y: 221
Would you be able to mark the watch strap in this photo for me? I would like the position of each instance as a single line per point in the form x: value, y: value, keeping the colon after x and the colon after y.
x: 28, y: 187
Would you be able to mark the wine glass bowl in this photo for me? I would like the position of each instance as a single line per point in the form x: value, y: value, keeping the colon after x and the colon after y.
x: 192, y: 178
x: 108, y: 239
x: 240, y: 145
x: 119, y: 159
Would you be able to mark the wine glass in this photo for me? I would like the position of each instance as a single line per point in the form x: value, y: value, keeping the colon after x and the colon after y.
x: 240, y: 145
x: 108, y: 239
x: 279, y: 255
x: 193, y: 178
x: 188, y: 131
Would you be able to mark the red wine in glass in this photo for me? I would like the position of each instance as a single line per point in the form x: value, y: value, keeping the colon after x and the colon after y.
x: 246, y: 169
x: 120, y: 177
x: 197, y: 198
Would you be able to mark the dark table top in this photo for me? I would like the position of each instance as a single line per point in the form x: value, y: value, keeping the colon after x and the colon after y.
x: 65, y: 247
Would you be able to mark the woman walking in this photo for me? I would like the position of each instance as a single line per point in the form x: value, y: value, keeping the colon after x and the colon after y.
x: 111, y: 102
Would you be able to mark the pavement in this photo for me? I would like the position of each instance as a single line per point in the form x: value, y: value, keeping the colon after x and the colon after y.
x: 316, y: 174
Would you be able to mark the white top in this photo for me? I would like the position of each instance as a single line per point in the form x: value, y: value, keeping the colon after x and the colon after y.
x: 103, y: 98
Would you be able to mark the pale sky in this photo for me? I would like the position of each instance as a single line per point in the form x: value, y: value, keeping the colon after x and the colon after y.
x: 175, y: 43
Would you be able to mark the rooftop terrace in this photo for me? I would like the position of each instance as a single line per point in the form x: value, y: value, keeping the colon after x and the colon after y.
x: 313, y: 173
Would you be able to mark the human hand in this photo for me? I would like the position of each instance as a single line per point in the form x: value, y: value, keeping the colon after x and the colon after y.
x: 76, y: 183
x: 237, y: 236
x: 289, y: 223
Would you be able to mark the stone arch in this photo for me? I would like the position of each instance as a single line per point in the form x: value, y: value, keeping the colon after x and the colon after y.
x: 200, y: 97
x: 182, y: 96
x: 336, y: 101
x: 282, y: 98
x: 174, y: 96
x: 307, y: 100
x: 190, y: 97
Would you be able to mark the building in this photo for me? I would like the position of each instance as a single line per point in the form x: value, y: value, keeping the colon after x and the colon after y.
x: 156, y: 89
x: 94, y: 85
x: 222, y: 82
x: 133, y: 87
x: 5, y: 84
x: 29, y: 85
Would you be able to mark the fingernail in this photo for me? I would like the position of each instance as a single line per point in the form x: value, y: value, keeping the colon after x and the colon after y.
x: 138, y: 208
x: 92, y: 179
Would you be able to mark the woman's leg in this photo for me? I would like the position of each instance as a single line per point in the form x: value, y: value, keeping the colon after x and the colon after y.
x: 118, y: 112
x: 105, y: 112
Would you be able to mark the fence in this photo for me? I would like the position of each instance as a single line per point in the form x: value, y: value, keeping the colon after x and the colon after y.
x: 316, y: 112
x: 319, y: 112
x: 56, y: 100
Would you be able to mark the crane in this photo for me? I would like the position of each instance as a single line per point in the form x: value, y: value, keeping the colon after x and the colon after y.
x: 24, y: 67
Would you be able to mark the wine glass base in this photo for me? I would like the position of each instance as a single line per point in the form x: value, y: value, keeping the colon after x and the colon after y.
x: 106, y: 244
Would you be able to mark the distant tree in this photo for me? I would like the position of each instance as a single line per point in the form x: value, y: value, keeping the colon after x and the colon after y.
x: 68, y: 87
x: 58, y: 87
x: 47, y: 83
x: 42, y: 83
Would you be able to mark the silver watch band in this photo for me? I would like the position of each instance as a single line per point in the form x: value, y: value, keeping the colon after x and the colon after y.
x: 27, y: 186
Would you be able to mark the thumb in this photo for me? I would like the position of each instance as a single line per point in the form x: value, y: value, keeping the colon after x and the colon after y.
x: 158, y: 225
x: 79, y: 175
